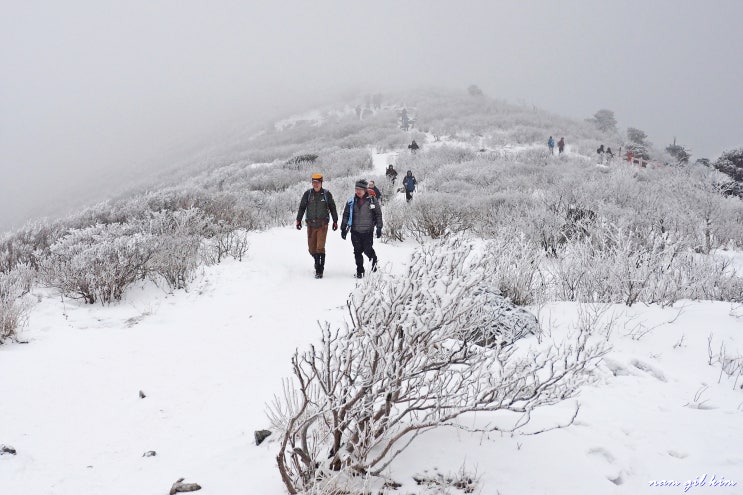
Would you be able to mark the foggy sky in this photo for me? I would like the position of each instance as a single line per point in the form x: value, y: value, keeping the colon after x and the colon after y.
x: 92, y: 92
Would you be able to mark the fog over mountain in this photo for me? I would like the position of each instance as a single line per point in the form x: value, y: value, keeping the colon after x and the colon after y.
x: 96, y: 94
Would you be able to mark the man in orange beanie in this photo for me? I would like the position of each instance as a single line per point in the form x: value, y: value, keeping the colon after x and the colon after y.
x: 319, y: 206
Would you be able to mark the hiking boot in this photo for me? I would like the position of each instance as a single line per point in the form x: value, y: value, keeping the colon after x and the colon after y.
x: 359, y: 275
x: 318, y: 266
x: 318, y: 274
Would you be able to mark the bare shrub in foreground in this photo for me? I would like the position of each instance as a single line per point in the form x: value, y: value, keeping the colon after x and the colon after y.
x: 363, y: 394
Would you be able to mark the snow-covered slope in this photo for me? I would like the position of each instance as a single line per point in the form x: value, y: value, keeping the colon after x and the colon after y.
x: 661, y: 411
x: 208, y: 361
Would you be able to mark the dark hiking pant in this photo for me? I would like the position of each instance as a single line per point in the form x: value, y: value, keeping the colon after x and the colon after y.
x: 363, y: 244
x: 408, y: 195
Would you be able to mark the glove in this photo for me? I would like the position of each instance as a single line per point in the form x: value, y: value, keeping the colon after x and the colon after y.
x: 299, y: 225
x: 379, y: 233
x: 335, y: 225
x: 344, y: 232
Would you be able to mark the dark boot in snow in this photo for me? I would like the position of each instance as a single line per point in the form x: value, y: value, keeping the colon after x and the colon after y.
x: 359, y: 274
x: 321, y: 266
x: 318, y: 273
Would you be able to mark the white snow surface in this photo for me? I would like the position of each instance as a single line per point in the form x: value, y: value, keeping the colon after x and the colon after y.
x: 210, y: 359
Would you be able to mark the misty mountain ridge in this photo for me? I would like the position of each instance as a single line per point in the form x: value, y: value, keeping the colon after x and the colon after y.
x: 480, y: 122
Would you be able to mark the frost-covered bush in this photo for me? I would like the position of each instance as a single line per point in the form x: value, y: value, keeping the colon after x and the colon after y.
x: 503, y: 322
x: 395, y: 220
x: 619, y: 268
x: 277, y: 209
x: 277, y: 178
x: 436, y: 215
x: 177, y: 240
x: 98, y: 263
x: 28, y: 244
x: 364, y: 393
x: 226, y: 241
x: 516, y: 264
x: 13, y: 308
x: 344, y: 162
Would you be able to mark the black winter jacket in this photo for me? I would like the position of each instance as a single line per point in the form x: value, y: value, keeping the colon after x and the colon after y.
x: 319, y: 207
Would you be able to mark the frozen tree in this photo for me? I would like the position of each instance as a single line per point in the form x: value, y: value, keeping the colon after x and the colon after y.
x: 474, y: 90
x: 679, y: 153
x: 638, y: 143
x: 731, y: 163
x: 604, y: 120
x: 404, y: 366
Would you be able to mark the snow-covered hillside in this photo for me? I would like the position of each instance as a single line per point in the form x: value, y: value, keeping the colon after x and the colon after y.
x: 127, y: 398
x: 210, y: 359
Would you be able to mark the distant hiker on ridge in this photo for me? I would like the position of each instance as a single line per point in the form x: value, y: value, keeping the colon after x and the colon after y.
x: 361, y: 215
x: 319, y: 205
x: 609, y: 156
x: 374, y: 191
x: 391, y: 174
x: 600, y: 152
x: 413, y: 146
x: 409, y: 182
x: 551, y: 145
x: 561, y: 146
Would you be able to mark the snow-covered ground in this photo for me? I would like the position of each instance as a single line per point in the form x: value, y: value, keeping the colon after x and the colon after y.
x: 208, y: 361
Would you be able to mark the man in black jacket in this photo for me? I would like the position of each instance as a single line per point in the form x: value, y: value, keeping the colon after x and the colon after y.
x: 319, y: 205
x: 361, y: 216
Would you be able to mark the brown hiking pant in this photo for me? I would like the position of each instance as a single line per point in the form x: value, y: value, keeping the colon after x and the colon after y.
x: 316, y: 239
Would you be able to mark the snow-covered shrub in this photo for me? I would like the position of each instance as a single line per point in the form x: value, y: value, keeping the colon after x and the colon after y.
x: 98, y: 263
x: 364, y: 393
x: 344, y: 162
x: 622, y: 267
x: 436, y: 215
x: 226, y: 241
x: 516, y: 264
x: 277, y: 209
x: 272, y: 179
x: 177, y: 239
x: 544, y: 227
x: 395, y: 220
x: 13, y: 308
x: 503, y: 322
x: 27, y: 245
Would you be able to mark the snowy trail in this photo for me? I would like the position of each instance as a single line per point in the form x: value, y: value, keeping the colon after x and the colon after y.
x: 208, y: 360
x: 382, y: 160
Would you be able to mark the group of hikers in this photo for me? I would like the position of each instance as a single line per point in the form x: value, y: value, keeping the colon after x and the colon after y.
x: 408, y: 182
x: 362, y: 217
x: 560, y: 145
x: 604, y: 155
